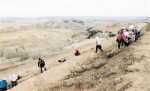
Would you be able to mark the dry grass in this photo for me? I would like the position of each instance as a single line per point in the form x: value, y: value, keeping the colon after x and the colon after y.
x: 124, y: 85
x: 87, y: 72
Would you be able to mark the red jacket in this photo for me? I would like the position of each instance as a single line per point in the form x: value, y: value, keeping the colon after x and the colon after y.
x: 121, y: 36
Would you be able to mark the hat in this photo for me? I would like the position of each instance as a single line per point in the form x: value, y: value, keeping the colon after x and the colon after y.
x: 123, y: 28
x: 131, y: 26
x: 4, y: 78
x: 96, y: 37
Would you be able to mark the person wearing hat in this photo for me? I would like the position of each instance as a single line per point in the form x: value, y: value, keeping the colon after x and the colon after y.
x: 13, y: 78
x: 98, y: 45
x: 41, y: 64
x: 136, y: 31
x: 3, y: 84
x: 121, y: 38
x: 126, y: 34
x: 76, y: 50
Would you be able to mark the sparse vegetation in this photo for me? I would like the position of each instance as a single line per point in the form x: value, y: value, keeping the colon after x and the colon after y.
x: 91, y: 33
x: 106, y: 31
x: 111, y: 34
x: 65, y: 22
x: 23, y: 56
x: 1, y: 53
x: 78, y: 21
x: 87, y: 72
x: 89, y: 29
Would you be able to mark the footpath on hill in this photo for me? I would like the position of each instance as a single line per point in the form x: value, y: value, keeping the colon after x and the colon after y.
x: 124, y: 69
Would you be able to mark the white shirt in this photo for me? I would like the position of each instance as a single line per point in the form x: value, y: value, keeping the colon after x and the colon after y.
x: 13, y: 77
x: 126, y: 34
x: 98, y: 41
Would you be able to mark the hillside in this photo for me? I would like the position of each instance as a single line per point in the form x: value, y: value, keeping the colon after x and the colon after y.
x: 108, y: 71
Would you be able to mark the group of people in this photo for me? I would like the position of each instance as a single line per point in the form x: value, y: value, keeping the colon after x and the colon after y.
x: 13, y: 78
x: 123, y: 35
x: 122, y: 39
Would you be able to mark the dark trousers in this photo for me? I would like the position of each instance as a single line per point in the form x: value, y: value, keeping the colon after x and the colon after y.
x: 122, y: 41
x: 3, y: 89
x: 119, y: 43
x: 99, y: 47
x: 137, y: 35
x: 77, y: 53
x: 13, y: 83
x: 43, y: 67
x: 125, y: 43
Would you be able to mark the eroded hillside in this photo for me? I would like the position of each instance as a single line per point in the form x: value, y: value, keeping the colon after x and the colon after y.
x: 108, y: 71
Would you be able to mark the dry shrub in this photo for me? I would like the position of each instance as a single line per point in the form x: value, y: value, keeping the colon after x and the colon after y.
x: 23, y: 56
x: 118, y: 80
x: 124, y: 85
x: 91, y: 33
x: 111, y: 35
x: 35, y: 56
x: 1, y: 53
x: 98, y: 64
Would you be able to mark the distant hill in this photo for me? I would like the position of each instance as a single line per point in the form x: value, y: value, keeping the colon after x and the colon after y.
x: 146, y: 19
x: 102, y: 18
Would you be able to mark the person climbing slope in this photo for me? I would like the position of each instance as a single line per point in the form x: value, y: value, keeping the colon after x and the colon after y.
x: 121, y: 38
x: 98, y: 45
x: 3, y: 84
x: 136, y: 31
x: 13, y: 78
x: 126, y: 34
x: 41, y: 64
x: 76, y: 50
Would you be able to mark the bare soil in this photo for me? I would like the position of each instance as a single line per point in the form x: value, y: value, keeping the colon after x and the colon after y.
x: 125, y: 69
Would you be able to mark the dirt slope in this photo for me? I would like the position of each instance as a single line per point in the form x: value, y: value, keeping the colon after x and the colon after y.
x: 108, y: 71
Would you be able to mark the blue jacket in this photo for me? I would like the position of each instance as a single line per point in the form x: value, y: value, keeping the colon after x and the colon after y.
x: 3, y: 83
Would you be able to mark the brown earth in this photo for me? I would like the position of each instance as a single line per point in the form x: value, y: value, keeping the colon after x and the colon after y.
x: 113, y: 70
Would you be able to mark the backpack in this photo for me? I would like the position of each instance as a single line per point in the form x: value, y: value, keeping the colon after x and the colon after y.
x: 41, y: 63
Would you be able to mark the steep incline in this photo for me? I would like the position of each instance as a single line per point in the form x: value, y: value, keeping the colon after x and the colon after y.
x: 107, y: 71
